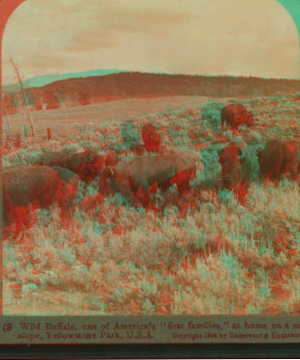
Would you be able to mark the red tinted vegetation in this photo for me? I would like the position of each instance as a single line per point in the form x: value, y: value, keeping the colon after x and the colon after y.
x: 151, y: 138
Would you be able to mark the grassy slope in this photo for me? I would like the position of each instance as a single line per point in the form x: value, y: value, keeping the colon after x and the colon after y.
x: 71, y: 92
x: 204, y: 253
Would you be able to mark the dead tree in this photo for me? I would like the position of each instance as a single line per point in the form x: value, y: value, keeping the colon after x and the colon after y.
x: 24, y: 95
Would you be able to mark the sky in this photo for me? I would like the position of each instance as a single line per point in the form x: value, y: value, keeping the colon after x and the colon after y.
x: 211, y: 37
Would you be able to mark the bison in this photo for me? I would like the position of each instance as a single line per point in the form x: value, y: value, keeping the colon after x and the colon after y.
x: 87, y: 163
x: 234, y: 163
x: 279, y: 157
x: 231, y: 159
x: 25, y: 185
x: 142, y: 172
x: 236, y: 115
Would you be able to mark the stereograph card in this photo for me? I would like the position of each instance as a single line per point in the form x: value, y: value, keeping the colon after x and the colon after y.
x: 150, y: 171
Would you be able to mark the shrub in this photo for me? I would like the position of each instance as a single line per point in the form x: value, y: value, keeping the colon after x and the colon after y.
x: 211, y: 112
x: 130, y: 135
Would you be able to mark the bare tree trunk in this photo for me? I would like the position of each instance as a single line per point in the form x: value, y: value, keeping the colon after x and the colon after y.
x: 24, y: 94
x: 49, y: 134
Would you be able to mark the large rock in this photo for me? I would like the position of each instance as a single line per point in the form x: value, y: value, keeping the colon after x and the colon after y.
x: 279, y: 157
x: 235, y: 115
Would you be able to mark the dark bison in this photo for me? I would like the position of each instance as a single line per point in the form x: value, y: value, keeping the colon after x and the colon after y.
x: 25, y: 185
x: 234, y: 177
x: 231, y: 158
x: 87, y: 163
x: 279, y: 157
x: 235, y: 115
x: 144, y: 171
x: 151, y: 138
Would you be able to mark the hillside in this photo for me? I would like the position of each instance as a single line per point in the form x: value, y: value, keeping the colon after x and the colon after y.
x: 84, y: 91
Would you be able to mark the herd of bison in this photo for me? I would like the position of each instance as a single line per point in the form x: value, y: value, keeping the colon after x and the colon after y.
x: 55, y: 175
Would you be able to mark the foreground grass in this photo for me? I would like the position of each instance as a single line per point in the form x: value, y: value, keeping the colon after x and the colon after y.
x: 113, y: 259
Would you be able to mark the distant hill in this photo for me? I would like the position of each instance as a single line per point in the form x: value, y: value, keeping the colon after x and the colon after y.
x: 84, y: 91
x: 43, y: 80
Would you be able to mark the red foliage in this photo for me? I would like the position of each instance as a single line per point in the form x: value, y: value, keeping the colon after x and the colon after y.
x: 13, y: 140
x: 282, y: 243
x: 65, y: 192
x: 184, y: 264
x: 193, y: 135
x: 151, y: 138
x: 153, y: 188
x: 119, y: 230
x: 166, y: 299
x: 21, y: 215
x: 240, y: 190
x: 182, y: 179
x: 154, y: 208
x: 112, y: 159
x: 92, y: 201
x: 142, y: 197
